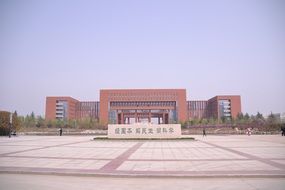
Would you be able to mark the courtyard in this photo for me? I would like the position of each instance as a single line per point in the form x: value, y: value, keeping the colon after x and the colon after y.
x: 257, y: 159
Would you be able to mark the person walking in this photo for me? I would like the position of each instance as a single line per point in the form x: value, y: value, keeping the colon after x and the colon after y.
x: 283, y: 130
x: 9, y: 131
x: 60, y: 131
x: 248, y: 131
x: 204, y: 132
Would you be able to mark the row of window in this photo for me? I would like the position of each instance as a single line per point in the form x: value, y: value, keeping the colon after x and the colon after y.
x: 88, y: 106
x: 144, y: 103
x: 141, y: 111
x: 197, y: 105
x: 144, y: 94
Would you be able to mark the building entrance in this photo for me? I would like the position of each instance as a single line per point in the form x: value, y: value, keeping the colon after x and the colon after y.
x: 129, y: 112
x: 142, y: 116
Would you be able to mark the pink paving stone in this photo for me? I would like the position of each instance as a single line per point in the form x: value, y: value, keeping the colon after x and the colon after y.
x: 210, y: 156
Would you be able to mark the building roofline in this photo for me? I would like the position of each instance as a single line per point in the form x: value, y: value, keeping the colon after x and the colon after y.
x: 142, y: 89
x: 62, y: 97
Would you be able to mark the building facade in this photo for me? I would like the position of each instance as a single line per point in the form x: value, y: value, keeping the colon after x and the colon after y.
x: 143, y: 105
x: 224, y: 106
x: 87, y: 109
x: 160, y: 106
x: 61, y: 107
x: 197, y: 109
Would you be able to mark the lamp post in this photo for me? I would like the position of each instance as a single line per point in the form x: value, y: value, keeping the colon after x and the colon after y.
x: 10, y: 124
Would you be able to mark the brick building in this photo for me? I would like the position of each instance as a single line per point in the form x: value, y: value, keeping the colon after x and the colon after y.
x: 61, y: 107
x: 143, y: 105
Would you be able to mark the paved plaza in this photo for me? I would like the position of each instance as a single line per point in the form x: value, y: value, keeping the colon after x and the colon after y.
x: 56, y: 182
x: 211, y: 156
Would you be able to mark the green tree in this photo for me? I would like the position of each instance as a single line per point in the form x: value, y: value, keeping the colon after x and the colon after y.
x: 40, y: 122
x: 239, y: 119
x: 272, y: 119
x: 204, y: 121
x: 183, y: 124
x: 16, y: 122
x: 30, y: 120
x: 49, y: 123
x: 33, y: 116
x: 212, y: 121
x: 246, y: 118
x: 240, y: 116
x: 258, y: 120
x: 259, y: 116
x: 223, y: 119
x: 195, y: 121
x: 59, y: 123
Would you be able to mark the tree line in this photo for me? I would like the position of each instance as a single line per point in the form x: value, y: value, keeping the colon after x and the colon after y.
x: 6, y: 125
x: 242, y: 120
x: 32, y: 121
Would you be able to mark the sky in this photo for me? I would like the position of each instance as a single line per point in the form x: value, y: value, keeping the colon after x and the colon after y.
x: 77, y: 47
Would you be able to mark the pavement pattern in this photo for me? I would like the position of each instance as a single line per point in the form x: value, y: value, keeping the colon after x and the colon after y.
x: 210, y: 156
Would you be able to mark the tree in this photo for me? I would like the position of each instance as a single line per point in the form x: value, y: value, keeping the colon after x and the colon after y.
x: 246, y: 117
x: 259, y: 116
x: 40, y: 121
x: 258, y: 120
x: 223, y: 119
x: 33, y: 116
x: 239, y: 119
x: 30, y: 120
x: 240, y: 116
x: 194, y: 121
x: 49, y: 123
x: 183, y: 124
x: 16, y: 122
x: 4, y: 122
x: 59, y: 123
x: 204, y: 121
x: 272, y: 119
x: 212, y: 121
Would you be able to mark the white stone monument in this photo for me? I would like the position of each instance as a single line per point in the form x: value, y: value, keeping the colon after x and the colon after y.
x: 144, y: 131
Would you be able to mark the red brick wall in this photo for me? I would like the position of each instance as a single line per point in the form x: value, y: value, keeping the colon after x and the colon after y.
x: 178, y: 95
x: 213, y: 108
x: 51, y: 107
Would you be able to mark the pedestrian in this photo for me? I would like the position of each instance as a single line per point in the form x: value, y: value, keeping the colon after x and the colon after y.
x: 248, y: 131
x: 9, y: 131
x: 283, y: 130
x: 204, y: 132
x: 60, y: 131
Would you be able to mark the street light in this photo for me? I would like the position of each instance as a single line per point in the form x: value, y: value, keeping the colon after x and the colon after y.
x: 10, y: 124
